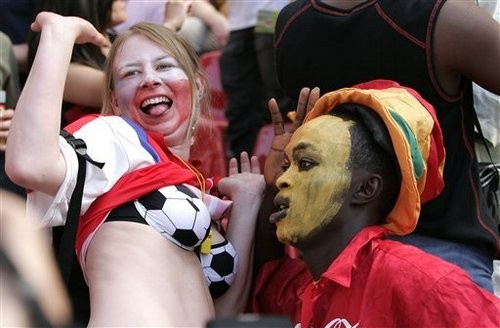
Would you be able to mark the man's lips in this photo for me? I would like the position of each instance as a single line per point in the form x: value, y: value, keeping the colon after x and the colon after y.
x: 282, y: 205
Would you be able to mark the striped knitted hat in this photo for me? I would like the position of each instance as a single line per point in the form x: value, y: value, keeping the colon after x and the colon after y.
x: 416, y: 138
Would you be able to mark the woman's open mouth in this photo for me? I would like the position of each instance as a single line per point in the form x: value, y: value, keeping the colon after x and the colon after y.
x: 156, y: 106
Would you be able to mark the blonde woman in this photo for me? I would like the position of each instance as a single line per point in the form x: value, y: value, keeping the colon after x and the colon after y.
x: 138, y: 273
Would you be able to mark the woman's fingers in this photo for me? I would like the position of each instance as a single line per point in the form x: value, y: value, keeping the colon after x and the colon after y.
x: 233, y: 166
x: 247, y: 164
x: 83, y: 30
x: 255, y: 164
x: 244, y: 162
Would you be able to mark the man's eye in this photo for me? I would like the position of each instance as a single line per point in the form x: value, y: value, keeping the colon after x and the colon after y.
x: 305, y: 164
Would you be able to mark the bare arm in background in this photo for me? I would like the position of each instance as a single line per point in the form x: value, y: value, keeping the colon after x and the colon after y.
x: 467, y: 43
x: 215, y: 20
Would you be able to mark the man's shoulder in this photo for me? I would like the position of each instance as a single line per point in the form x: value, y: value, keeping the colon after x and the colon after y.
x: 412, y: 261
x: 288, y: 11
x: 421, y: 281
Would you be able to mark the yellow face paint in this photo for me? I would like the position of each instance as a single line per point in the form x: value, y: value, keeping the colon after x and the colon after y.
x: 317, y: 178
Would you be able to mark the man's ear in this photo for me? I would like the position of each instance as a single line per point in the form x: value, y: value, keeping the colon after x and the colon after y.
x: 366, y: 189
x: 114, y: 104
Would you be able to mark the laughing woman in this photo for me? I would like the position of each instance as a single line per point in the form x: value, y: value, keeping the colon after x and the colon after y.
x: 139, y: 272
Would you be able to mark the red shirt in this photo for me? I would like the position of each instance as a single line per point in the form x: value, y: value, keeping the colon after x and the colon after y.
x: 375, y: 283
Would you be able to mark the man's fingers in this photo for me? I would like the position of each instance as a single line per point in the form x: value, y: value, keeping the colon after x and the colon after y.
x: 276, y: 118
x: 313, y: 98
x: 301, y: 108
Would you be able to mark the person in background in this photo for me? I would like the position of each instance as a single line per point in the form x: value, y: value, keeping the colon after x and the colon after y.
x: 487, y: 106
x: 205, y: 27
x: 248, y: 72
x: 9, y: 91
x: 83, y: 92
x: 358, y: 170
x: 435, y: 47
x: 32, y: 293
x: 154, y: 95
x: 15, y: 20
x: 9, y: 76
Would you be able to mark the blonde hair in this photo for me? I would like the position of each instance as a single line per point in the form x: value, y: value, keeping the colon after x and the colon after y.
x: 178, y: 48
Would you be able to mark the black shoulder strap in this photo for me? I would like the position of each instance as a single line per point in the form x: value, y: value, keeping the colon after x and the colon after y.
x: 66, y: 247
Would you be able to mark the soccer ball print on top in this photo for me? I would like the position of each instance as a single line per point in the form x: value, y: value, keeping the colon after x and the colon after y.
x: 177, y: 214
x: 220, y: 267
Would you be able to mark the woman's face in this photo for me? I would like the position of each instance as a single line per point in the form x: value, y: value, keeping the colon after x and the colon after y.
x: 311, y: 190
x: 151, y: 89
x: 118, y: 12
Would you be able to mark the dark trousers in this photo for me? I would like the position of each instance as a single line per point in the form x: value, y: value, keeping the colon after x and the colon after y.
x: 249, y: 79
x: 5, y: 182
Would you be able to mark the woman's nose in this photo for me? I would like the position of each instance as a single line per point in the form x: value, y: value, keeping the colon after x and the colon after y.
x: 151, y: 78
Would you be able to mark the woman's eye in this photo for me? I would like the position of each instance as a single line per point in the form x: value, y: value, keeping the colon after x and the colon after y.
x: 164, y: 66
x: 305, y: 164
x: 130, y: 73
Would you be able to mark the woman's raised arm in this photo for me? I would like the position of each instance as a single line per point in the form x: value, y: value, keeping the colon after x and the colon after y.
x: 33, y: 159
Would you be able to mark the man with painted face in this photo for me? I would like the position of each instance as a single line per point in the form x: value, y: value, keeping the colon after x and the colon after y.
x: 436, y: 47
x: 356, y: 171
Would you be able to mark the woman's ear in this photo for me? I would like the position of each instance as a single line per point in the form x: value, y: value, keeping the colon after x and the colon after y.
x: 366, y: 189
x: 114, y: 104
x: 200, y: 88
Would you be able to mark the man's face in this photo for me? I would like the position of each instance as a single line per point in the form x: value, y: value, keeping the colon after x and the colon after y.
x: 311, y: 189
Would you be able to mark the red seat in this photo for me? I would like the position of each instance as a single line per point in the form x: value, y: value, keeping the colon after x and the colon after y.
x: 210, y: 63
x: 209, y: 149
x: 209, y: 146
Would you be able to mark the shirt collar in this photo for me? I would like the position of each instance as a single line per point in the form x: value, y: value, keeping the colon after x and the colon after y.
x: 340, y: 270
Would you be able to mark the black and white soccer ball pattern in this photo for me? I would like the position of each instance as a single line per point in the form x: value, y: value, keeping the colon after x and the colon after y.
x: 220, y: 267
x: 177, y: 214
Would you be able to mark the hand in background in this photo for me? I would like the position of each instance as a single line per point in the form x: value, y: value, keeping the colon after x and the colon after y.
x: 5, y: 121
x: 275, y: 158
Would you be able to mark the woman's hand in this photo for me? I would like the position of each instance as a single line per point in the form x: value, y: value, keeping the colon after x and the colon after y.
x: 83, y: 31
x: 246, y: 181
x: 245, y: 187
x: 275, y: 158
x: 5, y: 121
x: 176, y: 12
